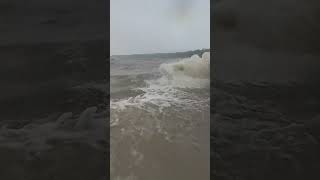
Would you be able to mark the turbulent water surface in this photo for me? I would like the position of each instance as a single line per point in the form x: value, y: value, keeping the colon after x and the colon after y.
x: 160, y: 118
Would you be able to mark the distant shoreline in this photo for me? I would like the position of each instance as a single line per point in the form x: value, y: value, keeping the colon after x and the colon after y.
x: 163, y: 55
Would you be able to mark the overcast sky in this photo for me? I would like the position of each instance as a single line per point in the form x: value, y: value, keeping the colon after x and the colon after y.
x: 150, y: 26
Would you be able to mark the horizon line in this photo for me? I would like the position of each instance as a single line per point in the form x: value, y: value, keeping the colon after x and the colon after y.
x: 158, y: 52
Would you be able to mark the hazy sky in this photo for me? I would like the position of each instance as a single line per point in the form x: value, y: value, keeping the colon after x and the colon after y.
x: 149, y: 26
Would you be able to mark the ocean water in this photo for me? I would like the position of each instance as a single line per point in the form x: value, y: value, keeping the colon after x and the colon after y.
x: 160, y: 118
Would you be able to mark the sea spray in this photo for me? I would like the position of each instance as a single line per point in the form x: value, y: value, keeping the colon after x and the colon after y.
x: 168, y: 90
x: 194, y: 67
x: 193, y: 72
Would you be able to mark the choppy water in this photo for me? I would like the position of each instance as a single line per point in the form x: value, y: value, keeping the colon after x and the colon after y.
x: 160, y: 118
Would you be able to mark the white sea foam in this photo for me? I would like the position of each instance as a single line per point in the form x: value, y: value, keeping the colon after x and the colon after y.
x: 168, y: 90
x: 193, y: 72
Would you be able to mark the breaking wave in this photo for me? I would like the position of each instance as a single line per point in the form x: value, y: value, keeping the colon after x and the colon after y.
x: 174, y: 87
x: 193, y: 72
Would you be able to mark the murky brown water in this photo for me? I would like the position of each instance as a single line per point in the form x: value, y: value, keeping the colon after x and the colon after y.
x: 159, y: 123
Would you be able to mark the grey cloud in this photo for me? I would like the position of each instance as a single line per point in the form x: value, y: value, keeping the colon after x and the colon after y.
x: 148, y: 26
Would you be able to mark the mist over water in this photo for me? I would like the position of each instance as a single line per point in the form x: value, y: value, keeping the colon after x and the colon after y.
x: 160, y: 118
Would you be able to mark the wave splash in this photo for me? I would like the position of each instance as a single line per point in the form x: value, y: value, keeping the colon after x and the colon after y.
x: 170, y: 89
x: 193, y: 72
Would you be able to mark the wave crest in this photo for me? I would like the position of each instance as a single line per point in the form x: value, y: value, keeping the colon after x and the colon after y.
x: 168, y: 91
x: 193, y: 72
